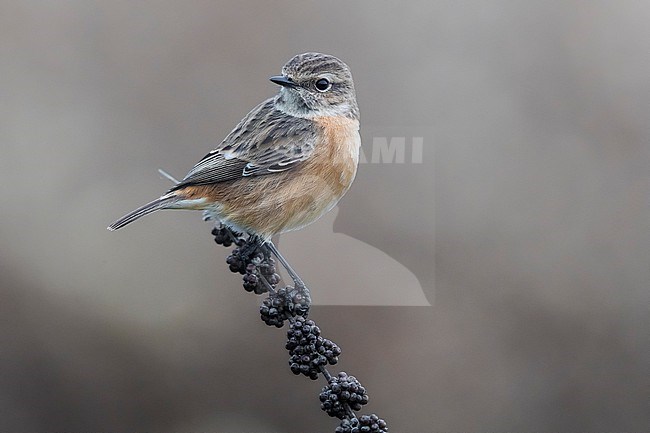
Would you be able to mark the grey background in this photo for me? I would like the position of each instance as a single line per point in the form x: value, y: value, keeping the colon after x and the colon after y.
x: 527, y: 224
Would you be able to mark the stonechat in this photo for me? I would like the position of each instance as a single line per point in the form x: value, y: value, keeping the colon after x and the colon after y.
x: 288, y: 162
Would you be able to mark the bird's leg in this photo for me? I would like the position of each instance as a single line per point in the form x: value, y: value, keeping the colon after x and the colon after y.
x: 294, y: 276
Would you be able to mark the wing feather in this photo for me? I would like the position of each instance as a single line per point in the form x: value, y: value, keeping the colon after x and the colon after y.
x: 266, y: 141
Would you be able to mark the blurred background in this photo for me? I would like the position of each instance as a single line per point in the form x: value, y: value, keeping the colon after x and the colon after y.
x: 527, y: 224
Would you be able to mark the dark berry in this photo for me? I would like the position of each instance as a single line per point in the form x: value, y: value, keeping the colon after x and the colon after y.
x: 267, y: 269
x: 251, y: 281
x: 309, y: 352
x: 222, y: 236
x: 254, y: 281
x: 235, y: 262
x: 340, y: 391
x: 364, y: 424
x: 285, y: 303
x: 274, y: 309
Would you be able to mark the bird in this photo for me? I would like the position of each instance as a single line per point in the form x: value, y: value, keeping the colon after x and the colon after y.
x: 288, y: 161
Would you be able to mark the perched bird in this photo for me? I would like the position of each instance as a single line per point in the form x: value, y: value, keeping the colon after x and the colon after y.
x: 289, y: 161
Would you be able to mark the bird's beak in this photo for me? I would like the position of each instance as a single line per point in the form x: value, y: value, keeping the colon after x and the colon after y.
x: 283, y: 81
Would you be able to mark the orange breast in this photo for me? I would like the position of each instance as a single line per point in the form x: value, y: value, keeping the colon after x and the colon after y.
x: 335, y: 158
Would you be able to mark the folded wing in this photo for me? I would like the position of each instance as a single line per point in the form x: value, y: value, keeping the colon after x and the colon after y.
x: 266, y: 141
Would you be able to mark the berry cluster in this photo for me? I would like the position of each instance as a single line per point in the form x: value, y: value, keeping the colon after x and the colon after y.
x: 224, y: 236
x: 364, y: 424
x: 283, y: 304
x: 342, y: 390
x: 249, y: 260
x: 260, y: 275
x: 310, y: 352
x: 237, y: 262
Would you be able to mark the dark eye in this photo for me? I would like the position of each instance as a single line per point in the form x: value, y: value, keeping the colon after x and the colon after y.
x: 323, y: 84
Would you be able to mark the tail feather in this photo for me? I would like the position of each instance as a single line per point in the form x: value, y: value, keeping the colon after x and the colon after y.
x: 160, y: 203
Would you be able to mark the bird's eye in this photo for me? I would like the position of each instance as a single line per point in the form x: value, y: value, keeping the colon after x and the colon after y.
x: 323, y: 85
